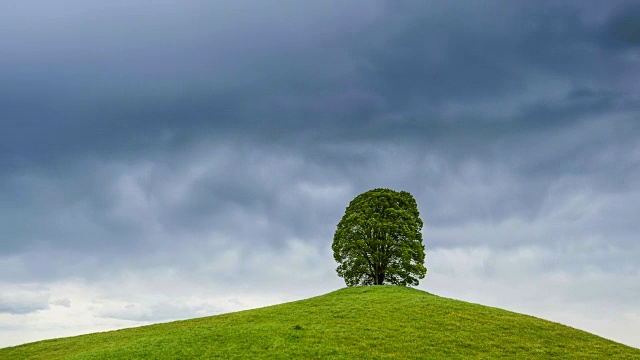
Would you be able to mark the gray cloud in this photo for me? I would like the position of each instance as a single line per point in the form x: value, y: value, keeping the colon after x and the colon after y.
x: 23, y: 301
x: 65, y: 302
x: 621, y: 29
x: 399, y: 71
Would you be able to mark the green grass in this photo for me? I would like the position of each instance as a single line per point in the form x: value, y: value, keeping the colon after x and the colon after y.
x: 375, y: 322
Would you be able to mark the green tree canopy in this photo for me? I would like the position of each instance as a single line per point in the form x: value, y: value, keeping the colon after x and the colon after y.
x: 379, y: 241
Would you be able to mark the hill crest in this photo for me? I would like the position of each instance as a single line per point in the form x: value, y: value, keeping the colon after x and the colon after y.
x: 359, y: 322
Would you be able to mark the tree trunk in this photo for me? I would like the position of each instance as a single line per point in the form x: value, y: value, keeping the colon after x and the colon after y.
x: 379, y: 278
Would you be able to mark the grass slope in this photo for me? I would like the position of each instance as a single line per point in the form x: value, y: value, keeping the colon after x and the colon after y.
x: 352, y: 323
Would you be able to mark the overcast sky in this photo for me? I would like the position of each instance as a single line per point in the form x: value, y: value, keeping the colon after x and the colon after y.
x: 168, y: 160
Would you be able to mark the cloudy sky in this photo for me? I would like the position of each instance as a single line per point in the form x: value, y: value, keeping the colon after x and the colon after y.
x: 166, y: 160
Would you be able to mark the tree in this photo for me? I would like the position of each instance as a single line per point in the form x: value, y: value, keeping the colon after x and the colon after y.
x: 379, y: 241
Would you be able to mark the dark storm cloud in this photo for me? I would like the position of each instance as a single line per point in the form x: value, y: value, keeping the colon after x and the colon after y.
x: 623, y: 29
x: 83, y: 77
x: 122, y: 79
x: 128, y: 126
x: 533, y: 58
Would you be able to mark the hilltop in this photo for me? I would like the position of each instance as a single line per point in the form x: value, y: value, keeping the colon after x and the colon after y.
x: 352, y: 323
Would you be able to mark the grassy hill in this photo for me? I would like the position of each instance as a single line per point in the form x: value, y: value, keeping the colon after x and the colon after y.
x: 352, y: 323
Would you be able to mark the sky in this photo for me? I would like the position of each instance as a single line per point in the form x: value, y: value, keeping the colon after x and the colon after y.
x: 168, y: 160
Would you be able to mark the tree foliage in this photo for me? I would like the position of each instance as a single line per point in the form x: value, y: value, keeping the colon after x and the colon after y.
x: 379, y: 241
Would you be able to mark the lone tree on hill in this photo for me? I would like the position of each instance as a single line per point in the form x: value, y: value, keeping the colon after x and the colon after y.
x: 379, y: 241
